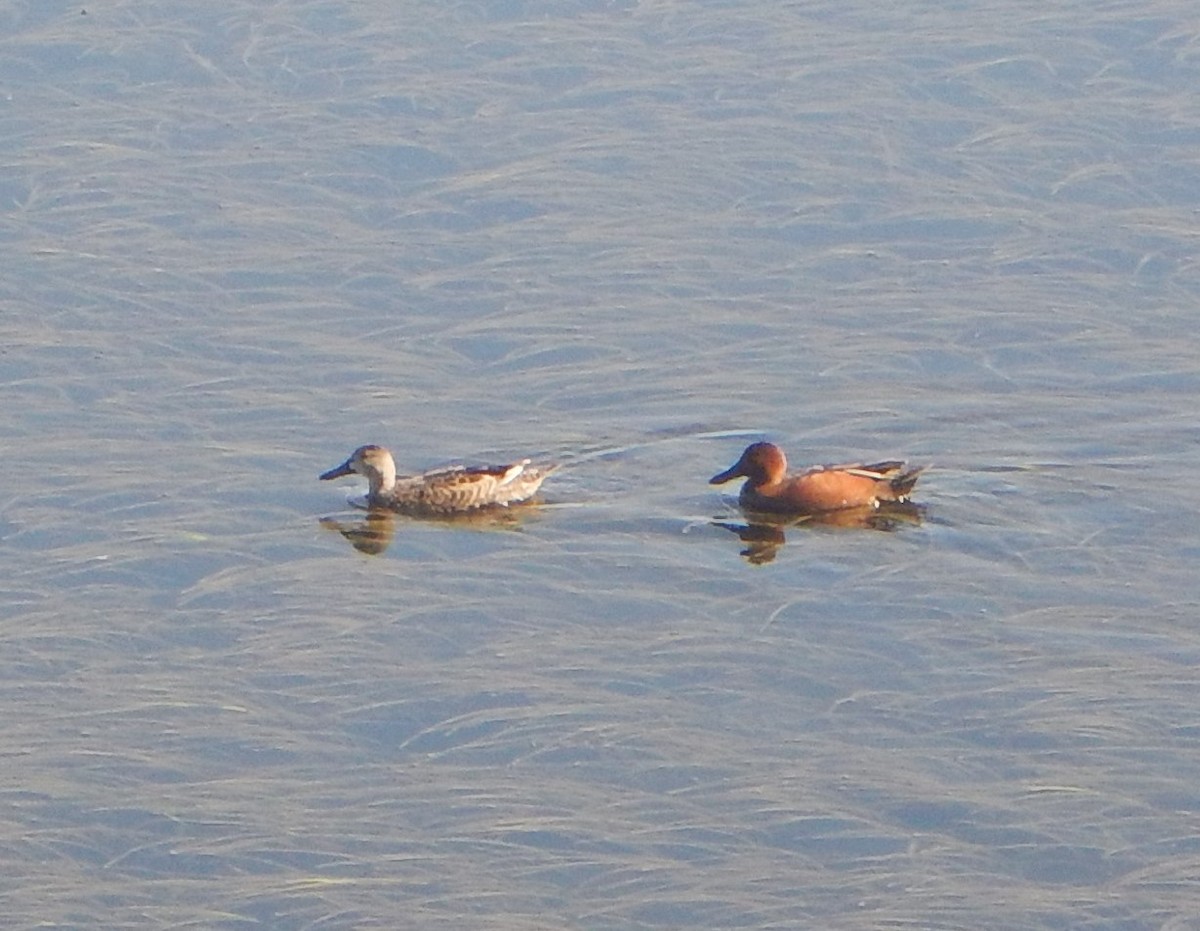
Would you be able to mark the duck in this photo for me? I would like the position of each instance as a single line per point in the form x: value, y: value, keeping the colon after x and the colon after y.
x: 449, y: 490
x: 819, y: 489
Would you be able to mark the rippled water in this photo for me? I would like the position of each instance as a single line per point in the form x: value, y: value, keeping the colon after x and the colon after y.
x: 631, y: 238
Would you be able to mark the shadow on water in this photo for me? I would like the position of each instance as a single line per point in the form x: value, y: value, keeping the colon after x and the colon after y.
x: 372, y: 532
x: 765, y: 534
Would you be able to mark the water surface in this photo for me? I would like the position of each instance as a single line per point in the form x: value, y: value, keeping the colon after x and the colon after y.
x: 631, y: 238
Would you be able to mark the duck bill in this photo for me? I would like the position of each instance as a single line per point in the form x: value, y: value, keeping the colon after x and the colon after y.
x: 729, y: 474
x: 337, y: 471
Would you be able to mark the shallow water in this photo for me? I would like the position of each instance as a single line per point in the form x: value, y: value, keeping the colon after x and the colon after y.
x: 631, y: 238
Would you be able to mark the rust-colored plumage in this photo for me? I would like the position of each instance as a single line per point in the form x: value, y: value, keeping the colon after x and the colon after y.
x: 768, y: 487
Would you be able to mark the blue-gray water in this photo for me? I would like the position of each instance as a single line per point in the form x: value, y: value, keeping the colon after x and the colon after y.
x: 238, y: 241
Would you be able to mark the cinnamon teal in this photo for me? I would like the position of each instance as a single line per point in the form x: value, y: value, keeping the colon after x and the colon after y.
x: 819, y: 489
x: 451, y: 490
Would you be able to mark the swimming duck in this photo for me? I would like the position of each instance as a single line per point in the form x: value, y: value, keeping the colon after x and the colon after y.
x: 451, y: 490
x: 819, y: 489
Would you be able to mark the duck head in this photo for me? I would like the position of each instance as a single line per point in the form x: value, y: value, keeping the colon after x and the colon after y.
x: 373, y: 462
x: 761, y: 463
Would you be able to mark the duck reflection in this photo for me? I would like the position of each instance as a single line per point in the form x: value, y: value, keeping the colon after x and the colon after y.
x: 372, y: 533
x: 764, y: 533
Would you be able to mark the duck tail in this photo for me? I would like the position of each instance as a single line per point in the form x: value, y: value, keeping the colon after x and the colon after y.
x: 903, y: 483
